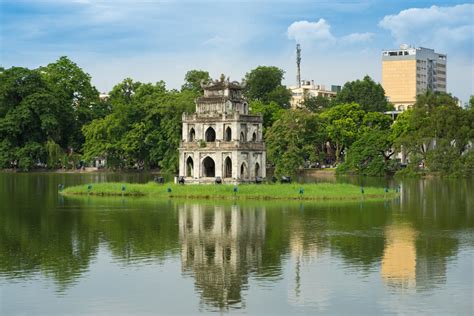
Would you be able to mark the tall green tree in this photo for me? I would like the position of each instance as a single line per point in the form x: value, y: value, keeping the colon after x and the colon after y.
x: 193, y: 79
x: 371, y: 154
x: 317, y: 104
x: 271, y: 112
x: 343, y: 125
x: 30, y: 115
x: 367, y: 93
x: 144, y: 128
x: 435, y: 129
x: 264, y: 84
x: 294, y: 139
x: 77, y: 97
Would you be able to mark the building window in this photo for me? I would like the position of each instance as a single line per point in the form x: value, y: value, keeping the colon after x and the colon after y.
x: 243, y: 171
x: 242, y: 137
x: 192, y: 135
x: 210, y: 135
x: 228, y: 134
x: 228, y: 168
x: 254, y: 137
x: 189, y: 167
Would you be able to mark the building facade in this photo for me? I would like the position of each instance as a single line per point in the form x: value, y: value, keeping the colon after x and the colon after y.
x: 408, y: 71
x: 309, y: 89
x: 222, y: 140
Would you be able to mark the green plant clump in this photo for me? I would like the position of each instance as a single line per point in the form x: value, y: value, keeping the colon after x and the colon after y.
x: 321, y: 191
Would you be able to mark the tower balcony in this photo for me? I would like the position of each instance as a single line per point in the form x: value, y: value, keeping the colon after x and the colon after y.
x: 221, y: 145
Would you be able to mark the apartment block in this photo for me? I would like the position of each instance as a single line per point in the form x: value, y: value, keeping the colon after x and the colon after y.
x: 409, y: 71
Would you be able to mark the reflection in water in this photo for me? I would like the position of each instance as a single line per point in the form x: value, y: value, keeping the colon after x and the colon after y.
x: 309, y: 256
x: 306, y: 247
x: 399, y: 258
x: 220, y: 247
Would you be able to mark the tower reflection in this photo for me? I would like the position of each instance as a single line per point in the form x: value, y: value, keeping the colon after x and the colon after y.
x: 220, y: 247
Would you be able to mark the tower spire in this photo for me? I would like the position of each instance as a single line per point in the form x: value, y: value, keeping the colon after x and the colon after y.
x: 298, y: 62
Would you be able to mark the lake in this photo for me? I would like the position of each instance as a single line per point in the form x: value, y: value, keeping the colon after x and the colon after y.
x: 92, y: 255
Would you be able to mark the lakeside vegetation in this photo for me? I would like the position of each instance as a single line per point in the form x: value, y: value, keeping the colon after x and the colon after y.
x: 52, y: 117
x: 321, y: 191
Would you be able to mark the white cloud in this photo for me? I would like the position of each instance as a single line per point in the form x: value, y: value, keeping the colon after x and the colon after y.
x: 435, y: 26
x: 357, y: 38
x: 303, y: 31
x: 320, y: 33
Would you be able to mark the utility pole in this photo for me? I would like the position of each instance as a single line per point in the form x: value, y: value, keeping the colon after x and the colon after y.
x: 298, y: 62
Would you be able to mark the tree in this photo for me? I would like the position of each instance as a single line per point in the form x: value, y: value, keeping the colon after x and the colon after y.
x: 294, y: 139
x: 317, y: 104
x: 281, y: 96
x: 343, y: 123
x: 192, y: 80
x: 264, y: 84
x: 271, y: 112
x: 470, y: 105
x: 76, y: 95
x: 370, y: 155
x: 435, y: 132
x: 30, y: 116
x: 123, y: 92
x: 367, y: 93
x: 144, y: 128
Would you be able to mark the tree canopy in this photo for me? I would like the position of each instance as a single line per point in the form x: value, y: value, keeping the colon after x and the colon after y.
x: 193, y: 78
x: 367, y: 93
x: 264, y: 84
x: 53, y: 117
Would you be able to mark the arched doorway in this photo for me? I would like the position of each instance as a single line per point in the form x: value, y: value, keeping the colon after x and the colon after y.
x: 243, y: 171
x: 242, y: 137
x: 210, y: 135
x: 189, y: 167
x: 208, y: 168
x: 257, y: 170
x: 192, y: 135
x: 228, y: 168
x: 228, y: 134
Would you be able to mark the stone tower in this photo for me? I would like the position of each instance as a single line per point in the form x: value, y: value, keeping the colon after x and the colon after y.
x: 222, y: 139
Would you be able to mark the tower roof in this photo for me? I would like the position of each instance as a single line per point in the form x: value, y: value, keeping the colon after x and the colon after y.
x: 222, y: 84
x: 222, y: 96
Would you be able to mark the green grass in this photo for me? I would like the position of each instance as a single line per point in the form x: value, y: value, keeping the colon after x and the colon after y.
x: 314, y: 191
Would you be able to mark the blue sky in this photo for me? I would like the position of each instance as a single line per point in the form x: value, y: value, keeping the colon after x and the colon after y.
x: 160, y: 40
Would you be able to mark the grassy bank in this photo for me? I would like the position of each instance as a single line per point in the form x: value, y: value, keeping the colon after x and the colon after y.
x: 321, y: 191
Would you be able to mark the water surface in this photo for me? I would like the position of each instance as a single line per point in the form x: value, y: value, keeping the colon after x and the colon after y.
x: 92, y: 255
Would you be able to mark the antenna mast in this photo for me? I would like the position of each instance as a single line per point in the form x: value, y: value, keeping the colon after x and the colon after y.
x: 298, y: 62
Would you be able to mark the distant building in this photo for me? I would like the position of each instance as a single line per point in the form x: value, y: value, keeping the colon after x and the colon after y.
x: 309, y: 89
x: 104, y: 96
x: 409, y: 71
x: 222, y: 140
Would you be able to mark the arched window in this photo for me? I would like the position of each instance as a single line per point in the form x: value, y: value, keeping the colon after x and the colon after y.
x: 254, y: 137
x: 189, y: 167
x: 257, y: 170
x: 208, y: 167
x: 228, y: 168
x: 210, y: 135
x: 192, y: 135
x: 242, y: 137
x: 228, y: 134
x: 243, y: 171
x: 245, y: 107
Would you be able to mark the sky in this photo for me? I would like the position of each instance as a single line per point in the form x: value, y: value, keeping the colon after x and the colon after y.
x: 152, y: 40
